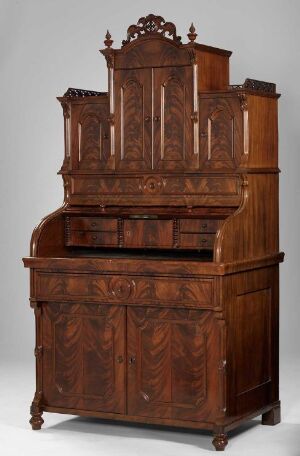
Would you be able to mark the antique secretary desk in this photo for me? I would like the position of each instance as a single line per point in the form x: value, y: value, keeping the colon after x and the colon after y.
x: 155, y: 285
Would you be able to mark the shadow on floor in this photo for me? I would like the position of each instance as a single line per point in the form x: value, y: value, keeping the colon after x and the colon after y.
x: 198, y: 439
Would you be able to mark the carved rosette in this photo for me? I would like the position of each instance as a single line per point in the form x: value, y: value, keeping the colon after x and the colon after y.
x: 151, y: 25
x: 121, y: 288
x: 153, y: 185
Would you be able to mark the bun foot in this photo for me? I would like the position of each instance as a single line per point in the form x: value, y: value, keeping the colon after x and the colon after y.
x: 36, y: 422
x: 220, y: 441
x: 272, y: 417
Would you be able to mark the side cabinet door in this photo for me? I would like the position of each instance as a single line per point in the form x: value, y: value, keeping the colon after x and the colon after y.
x: 83, y: 356
x: 90, y: 137
x: 173, y: 358
x: 221, y: 133
x: 133, y: 119
x: 172, y: 119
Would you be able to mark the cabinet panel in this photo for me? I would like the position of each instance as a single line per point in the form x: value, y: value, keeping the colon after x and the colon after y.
x: 148, y: 233
x: 173, y: 363
x: 83, y: 356
x: 133, y: 119
x: 221, y: 139
x: 173, y: 126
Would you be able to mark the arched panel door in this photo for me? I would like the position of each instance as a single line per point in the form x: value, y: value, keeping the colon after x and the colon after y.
x: 90, y: 137
x: 220, y: 133
x: 133, y: 119
x: 172, y: 120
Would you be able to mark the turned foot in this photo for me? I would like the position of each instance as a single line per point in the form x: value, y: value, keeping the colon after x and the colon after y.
x: 272, y: 417
x: 36, y: 422
x: 220, y: 441
x: 36, y: 412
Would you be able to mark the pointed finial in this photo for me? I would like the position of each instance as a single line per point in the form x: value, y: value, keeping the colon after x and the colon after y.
x: 108, y: 41
x: 192, y: 35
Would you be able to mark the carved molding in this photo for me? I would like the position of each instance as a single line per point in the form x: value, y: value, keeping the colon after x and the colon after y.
x: 67, y: 230
x: 66, y: 109
x: 151, y: 25
x: 254, y: 84
x: 38, y: 351
x: 81, y: 93
x: 243, y: 101
x: 109, y: 56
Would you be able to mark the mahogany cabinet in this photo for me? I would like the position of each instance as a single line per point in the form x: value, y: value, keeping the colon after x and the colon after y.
x: 155, y: 285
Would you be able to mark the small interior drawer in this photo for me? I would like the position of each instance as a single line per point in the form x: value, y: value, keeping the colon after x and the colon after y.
x: 93, y: 238
x: 199, y: 225
x: 197, y: 241
x: 93, y: 224
x: 148, y: 233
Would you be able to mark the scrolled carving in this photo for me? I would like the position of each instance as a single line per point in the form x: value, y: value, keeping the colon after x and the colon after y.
x: 150, y: 25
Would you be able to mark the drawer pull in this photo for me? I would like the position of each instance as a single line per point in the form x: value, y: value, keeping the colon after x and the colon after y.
x: 203, y: 241
x: 120, y: 359
x: 94, y: 237
x: 204, y: 226
x: 131, y: 360
x: 93, y: 224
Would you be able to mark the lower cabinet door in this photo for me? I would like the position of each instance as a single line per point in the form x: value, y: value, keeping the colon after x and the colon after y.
x: 174, y: 360
x: 83, y: 356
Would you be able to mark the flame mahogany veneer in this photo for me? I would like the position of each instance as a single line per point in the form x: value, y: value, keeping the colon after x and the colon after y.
x: 155, y: 285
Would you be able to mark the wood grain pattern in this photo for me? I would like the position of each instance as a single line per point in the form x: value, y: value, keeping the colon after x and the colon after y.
x: 133, y: 131
x: 170, y: 374
x: 220, y: 133
x: 155, y: 286
x: 172, y: 127
x: 81, y: 346
x: 102, y: 288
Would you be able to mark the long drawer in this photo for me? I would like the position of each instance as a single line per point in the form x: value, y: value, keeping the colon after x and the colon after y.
x: 129, y: 289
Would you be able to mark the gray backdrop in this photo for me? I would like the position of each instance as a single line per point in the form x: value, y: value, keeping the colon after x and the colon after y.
x: 48, y: 46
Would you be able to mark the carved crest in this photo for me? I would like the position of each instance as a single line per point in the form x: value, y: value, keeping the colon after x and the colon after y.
x: 151, y: 25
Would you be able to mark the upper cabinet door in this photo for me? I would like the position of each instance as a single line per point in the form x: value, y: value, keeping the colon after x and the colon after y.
x: 221, y: 133
x: 133, y: 124
x: 172, y: 119
x: 90, y: 137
